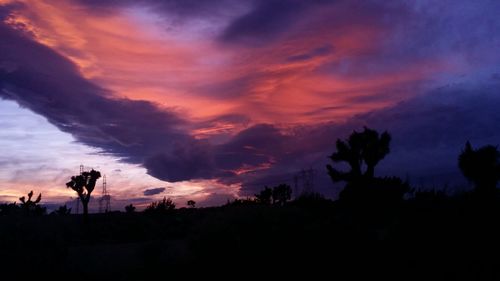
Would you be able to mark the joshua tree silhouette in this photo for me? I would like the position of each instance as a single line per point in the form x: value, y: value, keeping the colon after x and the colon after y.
x: 84, y: 184
x: 481, y: 166
x: 363, y: 151
x: 31, y: 207
x: 367, y: 147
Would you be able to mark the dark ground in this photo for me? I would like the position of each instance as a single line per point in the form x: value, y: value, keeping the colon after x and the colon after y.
x: 430, y: 238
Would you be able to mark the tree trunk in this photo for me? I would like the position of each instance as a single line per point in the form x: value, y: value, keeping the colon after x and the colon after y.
x: 370, y: 171
x: 85, y: 210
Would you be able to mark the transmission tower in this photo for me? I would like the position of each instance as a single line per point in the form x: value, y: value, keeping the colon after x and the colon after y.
x: 306, y: 178
x: 105, y: 200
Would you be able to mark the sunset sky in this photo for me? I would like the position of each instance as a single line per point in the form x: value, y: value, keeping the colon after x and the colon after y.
x: 212, y: 100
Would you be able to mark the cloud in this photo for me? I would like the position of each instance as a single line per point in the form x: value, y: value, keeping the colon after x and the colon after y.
x: 153, y: 191
x: 264, y: 23
x: 179, y: 8
x: 317, y: 52
x: 136, y: 131
x: 346, y: 62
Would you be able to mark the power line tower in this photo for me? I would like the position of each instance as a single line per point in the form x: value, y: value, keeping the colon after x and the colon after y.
x: 306, y: 177
x: 310, y: 179
x: 105, y: 200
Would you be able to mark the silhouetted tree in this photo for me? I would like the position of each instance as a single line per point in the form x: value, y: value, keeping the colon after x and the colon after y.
x: 163, y: 206
x: 84, y: 184
x: 363, y: 151
x: 367, y: 147
x: 281, y: 194
x: 130, y: 208
x: 62, y: 211
x: 32, y: 207
x: 375, y: 148
x: 481, y: 166
x: 8, y: 209
x: 264, y: 196
x: 191, y: 203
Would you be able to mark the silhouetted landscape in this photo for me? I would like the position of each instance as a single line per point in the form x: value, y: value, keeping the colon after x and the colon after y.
x: 378, y: 228
x: 249, y: 139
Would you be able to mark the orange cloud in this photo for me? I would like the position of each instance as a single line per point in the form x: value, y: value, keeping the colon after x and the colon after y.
x: 129, y: 53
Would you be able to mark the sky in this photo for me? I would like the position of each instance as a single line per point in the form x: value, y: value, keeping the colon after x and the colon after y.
x: 213, y: 100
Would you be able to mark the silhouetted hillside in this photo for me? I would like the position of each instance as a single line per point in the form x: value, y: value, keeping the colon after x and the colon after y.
x: 430, y: 236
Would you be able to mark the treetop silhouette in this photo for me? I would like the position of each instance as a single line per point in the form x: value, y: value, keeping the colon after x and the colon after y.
x: 191, y: 203
x: 278, y: 195
x: 164, y: 206
x: 481, y: 166
x: 31, y: 206
x: 84, y: 184
x: 361, y: 150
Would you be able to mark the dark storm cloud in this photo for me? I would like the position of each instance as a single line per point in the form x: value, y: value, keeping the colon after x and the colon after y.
x: 187, y: 160
x: 255, y: 146
x: 264, y: 22
x: 153, y: 191
x: 138, y: 131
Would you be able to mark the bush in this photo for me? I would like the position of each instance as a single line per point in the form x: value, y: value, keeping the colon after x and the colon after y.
x: 163, y: 206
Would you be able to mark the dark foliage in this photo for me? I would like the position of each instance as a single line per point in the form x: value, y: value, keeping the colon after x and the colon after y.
x: 265, y: 196
x: 62, y: 211
x: 160, y: 207
x: 27, y: 207
x: 281, y: 194
x: 482, y: 167
x: 277, y: 195
x: 381, y: 191
x: 242, y: 202
x: 130, y: 208
x: 311, y: 200
x: 191, y: 203
x: 9, y: 209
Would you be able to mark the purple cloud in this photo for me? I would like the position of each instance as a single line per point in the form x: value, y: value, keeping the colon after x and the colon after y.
x: 428, y: 131
x: 153, y: 191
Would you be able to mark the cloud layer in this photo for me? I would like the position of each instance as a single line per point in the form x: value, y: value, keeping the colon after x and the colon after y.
x: 250, y: 93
